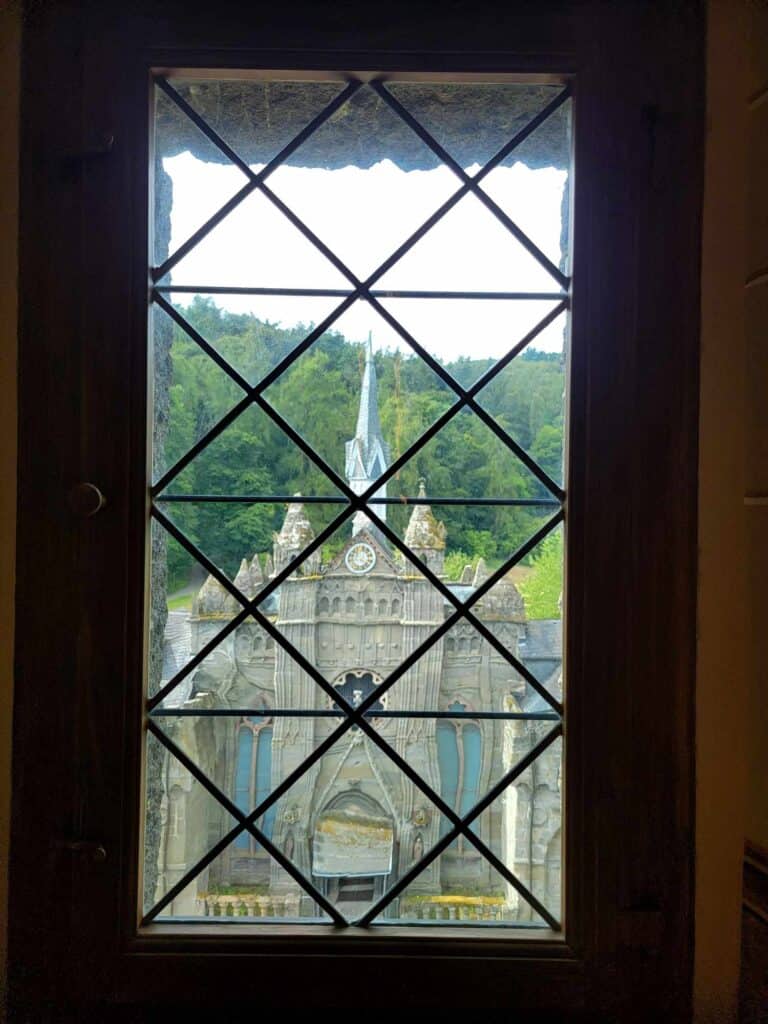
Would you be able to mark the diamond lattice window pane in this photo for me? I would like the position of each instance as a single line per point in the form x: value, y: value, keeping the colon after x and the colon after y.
x: 272, y: 252
x: 522, y: 613
x: 373, y: 397
x: 454, y: 256
x: 257, y: 119
x: 190, y: 393
x: 365, y: 210
x: 172, y: 845
x: 521, y: 827
x: 284, y: 396
x: 449, y: 329
x: 237, y: 887
x: 526, y: 398
x: 464, y: 543
x: 530, y: 171
x: 251, y: 455
x: 468, y: 459
x: 223, y: 180
x: 240, y: 537
x: 176, y: 630
x: 254, y: 333
x: 473, y: 121
x: 357, y: 605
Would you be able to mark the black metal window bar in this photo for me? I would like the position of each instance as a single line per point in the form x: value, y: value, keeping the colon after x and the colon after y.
x: 462, y: 609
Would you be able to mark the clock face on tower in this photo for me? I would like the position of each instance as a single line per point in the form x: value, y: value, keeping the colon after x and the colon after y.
x: 360, y: 558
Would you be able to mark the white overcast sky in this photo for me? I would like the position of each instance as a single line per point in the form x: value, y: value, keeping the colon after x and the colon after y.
x: 362, y: 215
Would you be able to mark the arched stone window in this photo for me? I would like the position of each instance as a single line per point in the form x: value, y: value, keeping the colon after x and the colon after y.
x: 356, y: 686
x: 336, y: 605
x: 460, y: 757
x: 176, y: 813
x: 395, y: 605
x: 382, y: 607
x: 368, y: 607
x: 253, y: 775
x: 175, y: 850
x: 323, y: 606
x: 349, y: 605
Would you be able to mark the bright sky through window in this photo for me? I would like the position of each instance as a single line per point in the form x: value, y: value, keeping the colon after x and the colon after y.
x: 468, y: 252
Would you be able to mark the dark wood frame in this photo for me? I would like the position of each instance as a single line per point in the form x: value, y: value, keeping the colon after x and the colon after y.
x: 631, y: 516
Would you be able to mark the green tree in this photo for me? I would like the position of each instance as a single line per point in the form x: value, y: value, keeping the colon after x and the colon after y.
x: 318, y: 397
x: 547, y: 450
x: 543, y: 586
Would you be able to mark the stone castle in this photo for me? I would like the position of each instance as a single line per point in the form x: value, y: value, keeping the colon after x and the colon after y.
x: 353, y: 823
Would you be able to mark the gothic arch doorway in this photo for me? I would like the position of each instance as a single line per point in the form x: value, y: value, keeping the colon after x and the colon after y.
x: 353, y: 849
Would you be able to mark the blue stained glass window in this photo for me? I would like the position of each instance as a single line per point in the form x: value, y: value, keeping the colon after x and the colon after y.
x: 264, y: 779
x: 459, y: 776
x: 245, y: 740
x: 448, y: 761
x: 253, y: 781
x: 470, y: 788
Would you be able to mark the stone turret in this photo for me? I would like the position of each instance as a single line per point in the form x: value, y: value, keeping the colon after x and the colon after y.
x: 367, y: 454
x: 250, y: 579
x: 243, y: 578
x: 257, y: 577
x: 425, y: 535
x: 481, y: 573
x: 213, y: 600
x: 295, y: 534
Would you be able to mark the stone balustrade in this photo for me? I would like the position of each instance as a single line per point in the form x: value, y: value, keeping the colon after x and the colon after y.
x: 439, y: 908
x: 247, y: 905
x: 460, y: 908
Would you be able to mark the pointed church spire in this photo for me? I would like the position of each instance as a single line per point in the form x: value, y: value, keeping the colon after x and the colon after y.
x: 367, y: 454
x: 368, y: 423
x: 425, y: 535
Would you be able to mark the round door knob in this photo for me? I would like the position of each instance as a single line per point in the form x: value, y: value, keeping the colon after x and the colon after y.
x: 86, y: 500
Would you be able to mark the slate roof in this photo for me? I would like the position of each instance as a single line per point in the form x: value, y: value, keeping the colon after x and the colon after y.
x: 177, y: 650
x: 533, y: 702
x: 460, y: 590
x: 543, y: 640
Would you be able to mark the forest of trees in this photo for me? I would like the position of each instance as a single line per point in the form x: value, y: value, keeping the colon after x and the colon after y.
x: 318, y: 395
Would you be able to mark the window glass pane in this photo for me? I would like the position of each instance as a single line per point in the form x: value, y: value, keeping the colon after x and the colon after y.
x: 359, y: 376
x: 472, y: 754
x: 448, y: 761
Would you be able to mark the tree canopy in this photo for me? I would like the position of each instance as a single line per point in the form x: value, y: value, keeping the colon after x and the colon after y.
x: 318, y: 396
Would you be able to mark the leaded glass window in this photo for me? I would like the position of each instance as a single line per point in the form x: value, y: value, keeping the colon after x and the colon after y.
x: 359, y: 315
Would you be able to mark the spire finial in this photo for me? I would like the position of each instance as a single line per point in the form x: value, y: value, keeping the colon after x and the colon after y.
x: 367, y: 454
x: 422, y: 487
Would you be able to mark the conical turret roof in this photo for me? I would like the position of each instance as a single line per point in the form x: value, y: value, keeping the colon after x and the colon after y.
x: 424, y: 531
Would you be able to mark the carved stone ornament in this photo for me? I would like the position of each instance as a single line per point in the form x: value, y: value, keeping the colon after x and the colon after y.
x: 420, y: 816
x: 291, y: 815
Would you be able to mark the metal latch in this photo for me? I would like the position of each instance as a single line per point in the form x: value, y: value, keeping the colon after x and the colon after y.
x: 95, y: 851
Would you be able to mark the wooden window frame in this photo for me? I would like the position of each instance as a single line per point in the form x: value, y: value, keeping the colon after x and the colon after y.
x: 633, y: 406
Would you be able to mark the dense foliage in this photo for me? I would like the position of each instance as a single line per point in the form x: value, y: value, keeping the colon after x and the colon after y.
x: 318, y: 396
x: 542, y: 587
